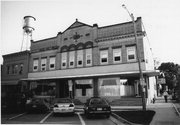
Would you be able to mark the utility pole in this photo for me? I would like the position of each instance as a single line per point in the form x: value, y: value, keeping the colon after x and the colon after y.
x: 139, y: 60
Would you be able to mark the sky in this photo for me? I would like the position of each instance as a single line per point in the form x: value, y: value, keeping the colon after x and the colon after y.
x: 161, y: 19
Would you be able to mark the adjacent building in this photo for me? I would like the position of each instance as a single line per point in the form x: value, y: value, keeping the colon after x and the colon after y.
x: 14, y: 68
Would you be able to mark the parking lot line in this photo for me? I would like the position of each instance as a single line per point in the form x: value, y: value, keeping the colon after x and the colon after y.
x: 45, y: 117
x: 81, y: 119
x: 17, y: 116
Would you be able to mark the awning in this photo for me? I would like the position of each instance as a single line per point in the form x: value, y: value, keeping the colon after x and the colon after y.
x: 132, y: 73
x: 12, y: 82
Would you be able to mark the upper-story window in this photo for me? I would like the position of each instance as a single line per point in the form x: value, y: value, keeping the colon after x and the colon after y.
x: 52, y: 63
x: 63, y: 60
x: 71, y: 59
x: 117, y: 55
x: 79, y: 58
x: 8, y: 69
x: 21, y: 69
x: 103, y: 56
x: 131, y: 53
x: 43, y: 64
x: 89, y: 57
x: 35, y: 64
x: 14, y: 69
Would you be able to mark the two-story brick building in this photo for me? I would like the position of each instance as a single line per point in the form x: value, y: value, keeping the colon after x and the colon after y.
x: 14, y: 68
x: 85, y: 61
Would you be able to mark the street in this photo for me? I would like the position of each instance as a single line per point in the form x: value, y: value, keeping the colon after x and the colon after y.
x: 48, y: 118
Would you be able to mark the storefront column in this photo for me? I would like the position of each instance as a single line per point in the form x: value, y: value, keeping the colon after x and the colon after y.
x: 95, y: 87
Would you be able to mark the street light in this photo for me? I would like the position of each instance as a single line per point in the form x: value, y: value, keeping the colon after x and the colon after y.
x: 138, y: 58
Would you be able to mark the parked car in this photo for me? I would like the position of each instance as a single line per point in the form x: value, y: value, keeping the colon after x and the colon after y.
x: 97, y: 106
x: 39, y: 104
x: 63, y: 105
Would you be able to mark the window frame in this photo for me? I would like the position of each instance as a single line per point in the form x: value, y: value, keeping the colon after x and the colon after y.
x: 89, y: 56
x: 64, y: 60
x: 115, y: 51
x: 34, y: 64
x: 52, y: 62
x: 71, y: 59
x: 42, y: 62
x: 133, y: 50
x: 79, y: 58
x: 102, y: 53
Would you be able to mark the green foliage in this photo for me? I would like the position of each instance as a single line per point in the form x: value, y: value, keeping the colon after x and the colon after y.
x: 170, y: 71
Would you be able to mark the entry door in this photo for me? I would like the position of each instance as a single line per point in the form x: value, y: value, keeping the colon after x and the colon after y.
x: 63, y: 89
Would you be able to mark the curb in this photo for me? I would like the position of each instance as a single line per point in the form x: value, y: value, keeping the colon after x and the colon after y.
x: 123, y: 120
x: 176, y: 109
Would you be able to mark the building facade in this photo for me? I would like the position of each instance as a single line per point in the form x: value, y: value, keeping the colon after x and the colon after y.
x: 85, y: 61
x: 14, y: 68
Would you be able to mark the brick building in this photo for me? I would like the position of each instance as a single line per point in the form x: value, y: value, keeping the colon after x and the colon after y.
x: 14, y: 68
x: 85, y: 61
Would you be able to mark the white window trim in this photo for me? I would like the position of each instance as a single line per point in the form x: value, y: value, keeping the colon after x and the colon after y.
x: 131, y: 48
x: 79, y: 58
x: 101, y: 54
x: 52, y: 60
x: 43, y: 61
x: 119, y: 54
x: 35, y: 63
x: 89, y: 53
x: 72, y: 59
x: 64, y: 60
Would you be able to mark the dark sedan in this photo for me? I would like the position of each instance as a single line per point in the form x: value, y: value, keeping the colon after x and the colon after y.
x: 38, y: 104
x: 97, y: 106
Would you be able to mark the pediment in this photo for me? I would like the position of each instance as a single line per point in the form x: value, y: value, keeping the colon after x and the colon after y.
x: 77, y: 24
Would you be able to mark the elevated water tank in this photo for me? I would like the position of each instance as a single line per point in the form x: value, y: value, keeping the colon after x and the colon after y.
x: 28, y: 26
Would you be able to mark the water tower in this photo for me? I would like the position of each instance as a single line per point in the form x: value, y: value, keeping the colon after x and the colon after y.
x: 28, y: 28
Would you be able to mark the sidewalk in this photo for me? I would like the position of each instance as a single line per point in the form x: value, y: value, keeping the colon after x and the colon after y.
x: 165, y: 113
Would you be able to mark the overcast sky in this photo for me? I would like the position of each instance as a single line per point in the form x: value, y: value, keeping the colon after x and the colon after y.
x: 161, y: 19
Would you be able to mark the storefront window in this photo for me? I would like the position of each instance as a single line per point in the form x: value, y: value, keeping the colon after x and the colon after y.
x: 84, y: 88
x: 109, y: 87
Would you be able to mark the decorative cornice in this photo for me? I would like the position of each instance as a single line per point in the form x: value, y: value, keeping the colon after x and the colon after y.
x: 119, y: 37
x: 45, y: 49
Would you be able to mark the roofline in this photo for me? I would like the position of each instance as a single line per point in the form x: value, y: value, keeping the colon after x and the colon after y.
x: 76, y: 26
x: 138, y: 18
x: 42, y: 40
x: 20, y: 52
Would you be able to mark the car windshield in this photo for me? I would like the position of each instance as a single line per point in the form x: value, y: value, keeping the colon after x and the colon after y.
x: 63, y: 101
x: 97, y: 101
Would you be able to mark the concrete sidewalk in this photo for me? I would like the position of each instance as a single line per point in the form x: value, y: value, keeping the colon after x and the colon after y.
x: 166, y: 113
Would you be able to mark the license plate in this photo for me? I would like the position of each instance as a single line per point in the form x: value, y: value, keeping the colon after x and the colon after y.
x: 99, y: 109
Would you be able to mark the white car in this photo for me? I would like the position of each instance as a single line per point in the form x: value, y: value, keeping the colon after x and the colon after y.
x: 63, y: 105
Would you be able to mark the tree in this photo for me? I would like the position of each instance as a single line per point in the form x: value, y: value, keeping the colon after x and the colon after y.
x: 170, y: 71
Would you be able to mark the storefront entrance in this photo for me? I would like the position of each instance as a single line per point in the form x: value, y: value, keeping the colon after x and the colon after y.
x: 62, y: 89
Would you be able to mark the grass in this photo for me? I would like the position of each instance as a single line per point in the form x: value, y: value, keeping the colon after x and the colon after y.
x: 138, y: 117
